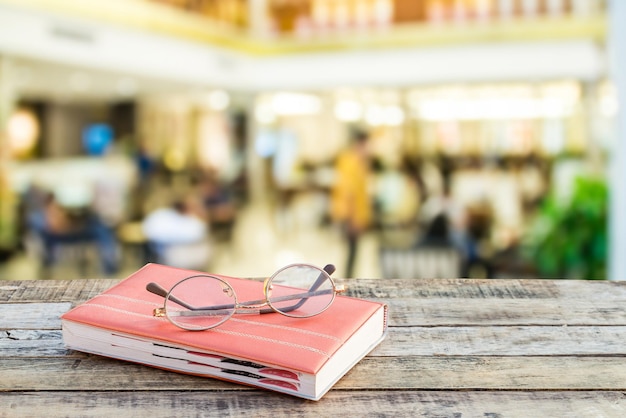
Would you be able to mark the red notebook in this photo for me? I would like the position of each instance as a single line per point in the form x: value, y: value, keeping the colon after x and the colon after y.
x: 304, y: 357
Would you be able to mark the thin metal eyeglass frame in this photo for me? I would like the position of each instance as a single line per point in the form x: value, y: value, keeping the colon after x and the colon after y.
x: 260, y: 306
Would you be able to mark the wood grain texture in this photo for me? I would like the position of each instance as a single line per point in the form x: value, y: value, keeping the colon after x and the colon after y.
x: 78, y: 372
x: 414, y: 289
x: 506, y: 312
x: 504, y: 341
x: 335, y: 403
x: 455, y: 348
x: 412, y: 341
x: 439, y: 311
x: 32, y: 315
x: 75, y: 291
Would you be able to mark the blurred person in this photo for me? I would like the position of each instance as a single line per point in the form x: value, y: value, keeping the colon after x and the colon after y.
x: 55, y: 225
x: 351, y: 207
x: 219, y: 203
x: 449, y: 222
x: 109, y: 201
x: 146, y: 167
x: 444, y: 204
x: 178, y: 235
x: 438, y: 233
x: 398, y: 195
x: 446, y: 219
x: 46, y: 214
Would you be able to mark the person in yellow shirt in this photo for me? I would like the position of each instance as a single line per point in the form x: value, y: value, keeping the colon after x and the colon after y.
x: 351, y: 206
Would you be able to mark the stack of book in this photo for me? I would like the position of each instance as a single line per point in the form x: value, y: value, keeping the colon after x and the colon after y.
x: 304, y: 357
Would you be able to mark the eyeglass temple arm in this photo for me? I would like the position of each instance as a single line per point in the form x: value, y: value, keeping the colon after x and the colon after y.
x: 329, y: 269
x: 157, y: 289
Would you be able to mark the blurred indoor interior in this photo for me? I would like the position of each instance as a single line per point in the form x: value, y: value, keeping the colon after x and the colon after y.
x: 499, y: 114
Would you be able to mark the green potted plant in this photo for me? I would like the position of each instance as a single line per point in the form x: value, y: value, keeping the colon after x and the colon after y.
x: 569, y: 239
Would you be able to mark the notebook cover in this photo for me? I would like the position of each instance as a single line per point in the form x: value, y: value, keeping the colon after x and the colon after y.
x: 301, y: 344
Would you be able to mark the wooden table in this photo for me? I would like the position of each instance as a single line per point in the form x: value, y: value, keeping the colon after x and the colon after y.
x: 456, y: 348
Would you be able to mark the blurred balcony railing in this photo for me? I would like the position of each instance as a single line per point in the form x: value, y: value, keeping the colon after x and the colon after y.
x: 271, y: 27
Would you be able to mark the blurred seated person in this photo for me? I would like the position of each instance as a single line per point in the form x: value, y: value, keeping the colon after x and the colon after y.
x: 56, y: 225
x: 447, y: 219
x: 178, y: 235
x: 438, y: 233
x: 218, y: 202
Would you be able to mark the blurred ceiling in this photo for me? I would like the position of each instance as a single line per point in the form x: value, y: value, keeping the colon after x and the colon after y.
x: 44, y: 80
x: 66, y: 50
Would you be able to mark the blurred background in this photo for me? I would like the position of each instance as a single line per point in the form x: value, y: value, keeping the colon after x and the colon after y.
x: 208, y: 134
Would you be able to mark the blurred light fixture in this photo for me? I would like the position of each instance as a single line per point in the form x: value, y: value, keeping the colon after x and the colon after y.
x: 264, y: 113
x: 374, y: 115
x: 213, y: 146
x: 493, y: 108
x: 23, y: 132
x: 496, y: 102
x: 219, y: 100
x: 348, y: 110
x: 393, y: 115
x: 292, y: 104
x: 390, y: 115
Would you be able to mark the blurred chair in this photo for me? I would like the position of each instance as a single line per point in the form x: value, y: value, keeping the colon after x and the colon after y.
x: 67, y: 250
x: 134, y: 243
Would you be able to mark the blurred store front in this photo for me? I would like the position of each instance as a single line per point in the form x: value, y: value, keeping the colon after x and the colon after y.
x: 499, y: 105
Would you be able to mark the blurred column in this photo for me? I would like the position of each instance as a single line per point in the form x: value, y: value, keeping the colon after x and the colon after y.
x: 257, y: 186
x: 595, y: 158
x: 8, y: 203
x: 258, y: 20
x: 617, y: 184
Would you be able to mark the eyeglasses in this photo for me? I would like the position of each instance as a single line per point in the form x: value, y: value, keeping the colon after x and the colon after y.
x: 202, y: 302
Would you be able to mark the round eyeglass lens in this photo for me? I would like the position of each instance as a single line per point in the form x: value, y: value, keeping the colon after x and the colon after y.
x: 200, y: 302
x: 300, y: 290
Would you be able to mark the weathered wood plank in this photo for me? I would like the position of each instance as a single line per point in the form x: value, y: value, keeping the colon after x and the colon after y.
x: 335, y: 403
x: 411, y: 341
x: 35, y: 316
x: 503, y: 341
x: 455, y: 348
x: 487, y: 289
x: 31, y: 343
x: 485, y: 373
x: 476, y: 312
x: 80, y: 290
x: 404, y: 312
x: 389, y: 373
x: 75, y: 291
